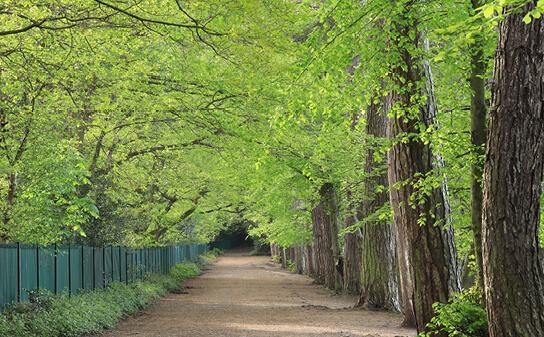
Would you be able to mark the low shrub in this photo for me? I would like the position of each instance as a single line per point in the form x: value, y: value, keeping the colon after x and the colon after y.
x: 276, y: 259
x: 184, y: 270
x: 463, y: 316
x: 262, y: 247
x: 208, y: 257
x: 85, y: 312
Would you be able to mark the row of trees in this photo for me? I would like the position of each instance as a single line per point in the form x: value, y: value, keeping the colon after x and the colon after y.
x: 350, y: 134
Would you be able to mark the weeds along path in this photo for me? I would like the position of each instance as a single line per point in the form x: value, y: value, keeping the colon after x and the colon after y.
x: 243, y: 295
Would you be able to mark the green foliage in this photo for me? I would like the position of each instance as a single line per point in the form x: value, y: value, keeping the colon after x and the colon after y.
x: 88, y: 312
x: 291, y: 265
x: 207, y: 258
x: 464, y: 316
x: 49, y: 208
x: 184, y: 270
x: 262, y: 247
x: 276, y: 259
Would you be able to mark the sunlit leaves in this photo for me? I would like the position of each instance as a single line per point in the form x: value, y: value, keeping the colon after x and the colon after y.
x: 48, y: 208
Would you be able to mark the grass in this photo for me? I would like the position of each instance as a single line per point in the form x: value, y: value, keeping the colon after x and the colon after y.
x: 90, y: 312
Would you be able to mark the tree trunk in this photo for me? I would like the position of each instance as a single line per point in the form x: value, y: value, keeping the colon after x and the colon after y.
x: 478, y: 111
x: 324, y: 255
x: 309, y: 254
x: 352, y: 239
x: 300, y: 262
x: 512, y: 181
x: 328, y: 192
x: 422, y: 210
x: 379, y: 267
x: 352, y: 252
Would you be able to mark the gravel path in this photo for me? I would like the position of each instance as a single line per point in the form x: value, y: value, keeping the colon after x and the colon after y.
x: 243, y: 295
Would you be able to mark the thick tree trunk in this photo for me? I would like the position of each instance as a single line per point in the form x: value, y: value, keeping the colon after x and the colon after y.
x: 352, y: 252
x: 379, y: 267
x: 512, y: 181
x: 478, y: 111
x: 323, y: 245
x: 422, y: 210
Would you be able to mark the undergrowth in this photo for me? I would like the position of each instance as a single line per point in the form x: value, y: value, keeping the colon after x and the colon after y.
x: 90, y: 312
x: 463, y: 316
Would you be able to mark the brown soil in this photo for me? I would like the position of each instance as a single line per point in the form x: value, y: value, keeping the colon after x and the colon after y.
x: 243, y: 295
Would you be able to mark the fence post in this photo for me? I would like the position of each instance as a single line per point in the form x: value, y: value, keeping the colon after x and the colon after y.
x: 82, y: 268
x: 37, y: 267
x: 94, y: 271
x: 69, y: 270
x: 18, y: 271
x: 55, y: 252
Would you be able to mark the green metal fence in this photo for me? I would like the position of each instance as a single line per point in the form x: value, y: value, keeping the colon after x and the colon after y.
x: 74, y: 267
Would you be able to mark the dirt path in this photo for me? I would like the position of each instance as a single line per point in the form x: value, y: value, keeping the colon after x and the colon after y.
x: 243, y: 295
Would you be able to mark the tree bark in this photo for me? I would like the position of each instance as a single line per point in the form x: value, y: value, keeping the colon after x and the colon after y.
x: 300, y: 263
x: 352, y: 252
x: 309, y: 254
x: 421, y: 210
x: 478, y: 112
x: 512, y: 181
x: 379, y: 266
x: 323, y: 245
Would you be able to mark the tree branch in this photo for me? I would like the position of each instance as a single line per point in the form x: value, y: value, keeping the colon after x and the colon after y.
x: 165, y: 23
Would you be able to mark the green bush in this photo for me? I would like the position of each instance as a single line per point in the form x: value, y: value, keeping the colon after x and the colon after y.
x: 208, y: 257
x: 464, y: 316
x: 87, y: 312
x: 277, y: 259
x: 184, y: 270
x: 261, y: 247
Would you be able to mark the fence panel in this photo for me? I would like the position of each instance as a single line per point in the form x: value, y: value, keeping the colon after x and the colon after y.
x: 62, y: 269
x: 123, y: 263
x: 98, y: 268
x: 46, y: 268
x: 9, y: 265
x: 75, y: 267
x: 28, y: 269
x: 108, y: 265
x: 115, y: 264
x: 88, y: 267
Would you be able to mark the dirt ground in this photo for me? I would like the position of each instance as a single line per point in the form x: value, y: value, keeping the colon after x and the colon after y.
x: 243, y: 295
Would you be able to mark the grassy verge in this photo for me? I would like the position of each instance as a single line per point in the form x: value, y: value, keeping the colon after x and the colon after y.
x: 89, y: 312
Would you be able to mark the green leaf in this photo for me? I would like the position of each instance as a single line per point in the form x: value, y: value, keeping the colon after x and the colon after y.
x: 489, y: 11
x: 440, y: 56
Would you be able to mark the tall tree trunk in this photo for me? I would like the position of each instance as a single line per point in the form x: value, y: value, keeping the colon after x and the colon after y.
x: 300, y: 263
x: 323, y: 221
x: 329, y: 193
x: 352, y: 239
x: 379, y: 267
x: 513, y: 167
x: 478, y: 111
x: 422, y: 210
x: 310, y: 258
x: 352, y: 252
